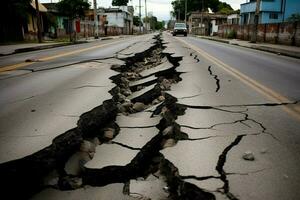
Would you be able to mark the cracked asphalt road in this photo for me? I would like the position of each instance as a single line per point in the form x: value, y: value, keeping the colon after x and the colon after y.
x: 155, y: 120
x: 280, y: 73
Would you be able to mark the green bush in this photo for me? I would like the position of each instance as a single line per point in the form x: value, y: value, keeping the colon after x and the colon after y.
x: 232, y: 34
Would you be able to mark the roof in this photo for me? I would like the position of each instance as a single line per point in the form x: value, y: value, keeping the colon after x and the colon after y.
x: 208, y: 15
x: 113, y: 10
x: 41, y: 7
x: 117, y: 10
x: 50, y: 7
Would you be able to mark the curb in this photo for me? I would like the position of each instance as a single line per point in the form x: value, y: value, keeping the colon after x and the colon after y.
x: 22, y: 50
x: 261, y: 48
x: 276, y: 51
x: 36, y: 48
x: 214, y: 39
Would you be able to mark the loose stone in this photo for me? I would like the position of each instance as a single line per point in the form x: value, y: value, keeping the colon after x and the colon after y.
x: 165, y: 84
x: 248, y: 155
x: 168, y: 130
x: 161, y: 98
x: 138, y: 106
x: 109, y: 133
x: 169, y: 143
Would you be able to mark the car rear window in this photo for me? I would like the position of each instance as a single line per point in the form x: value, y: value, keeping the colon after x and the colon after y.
x: 180, y: 25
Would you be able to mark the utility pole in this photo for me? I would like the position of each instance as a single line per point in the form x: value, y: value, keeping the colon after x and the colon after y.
x: 185, y: 10
x: 256, y: 19
x: 39, y: 27
x: 96, y: 20
x: 140, y: 17
x: 202, y: 9
x: 146, y: 17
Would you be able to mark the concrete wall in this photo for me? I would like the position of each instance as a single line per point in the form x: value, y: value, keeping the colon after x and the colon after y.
x: 280, y: 33
x: 87, y: 29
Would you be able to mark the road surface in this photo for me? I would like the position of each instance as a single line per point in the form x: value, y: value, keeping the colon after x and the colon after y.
x: 280, y: 73
x: 150, y: 116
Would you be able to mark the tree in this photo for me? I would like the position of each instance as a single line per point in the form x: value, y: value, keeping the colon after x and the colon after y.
x: 154, y: 23
x: 196, y: 5
x: 136, y: 20
x: 119, y: 2
x: 73, y: 9
x: 224, y: 8
x: 160, y: 25
x: 294, y: 17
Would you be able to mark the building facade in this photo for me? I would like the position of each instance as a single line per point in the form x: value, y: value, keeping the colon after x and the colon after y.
x: 204, y: 23
x: 120, y: 19
x: 271, y: 11
x: 233, y: 19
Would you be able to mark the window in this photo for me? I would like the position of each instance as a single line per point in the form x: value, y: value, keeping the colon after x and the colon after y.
x: 273, y: 16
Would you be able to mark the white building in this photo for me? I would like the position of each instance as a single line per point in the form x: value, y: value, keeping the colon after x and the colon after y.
x: 120, y: 18
x: 233, y: 19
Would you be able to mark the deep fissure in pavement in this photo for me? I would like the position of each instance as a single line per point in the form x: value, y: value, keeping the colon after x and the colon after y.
x: 26, y: 176
x: 220, y: 167
x: 215, y: 77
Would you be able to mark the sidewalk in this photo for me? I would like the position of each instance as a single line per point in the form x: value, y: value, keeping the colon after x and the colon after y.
x: 286, y: 50
x: 26, y: 47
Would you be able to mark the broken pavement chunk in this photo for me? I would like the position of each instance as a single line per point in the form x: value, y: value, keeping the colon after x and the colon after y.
x: 75, y: 164
x: 87, y: 146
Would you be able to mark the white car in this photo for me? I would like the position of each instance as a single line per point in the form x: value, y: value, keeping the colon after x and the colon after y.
x: 180, y: 28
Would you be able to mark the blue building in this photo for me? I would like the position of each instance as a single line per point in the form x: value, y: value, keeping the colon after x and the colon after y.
x: 271, y: 11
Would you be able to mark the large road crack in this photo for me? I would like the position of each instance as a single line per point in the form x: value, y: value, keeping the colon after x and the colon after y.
x: 215, y: 77
x: 26, y: 176
x: 220, y: 167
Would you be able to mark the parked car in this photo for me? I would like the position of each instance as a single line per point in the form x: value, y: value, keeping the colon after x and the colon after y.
x: 180, y: 28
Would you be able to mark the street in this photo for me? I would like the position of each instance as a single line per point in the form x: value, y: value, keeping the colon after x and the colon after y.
x: 150, y: 117
x: 266, y: 68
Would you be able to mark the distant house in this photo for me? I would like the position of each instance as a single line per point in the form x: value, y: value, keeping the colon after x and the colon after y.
x: 233, y: 19
x: 16, y: 27
x: 56, y: 25
x: 120, y: 20
x: 271, y: 11
x: 31, y: 28
x: 204, y: 23
x: 87, y: 24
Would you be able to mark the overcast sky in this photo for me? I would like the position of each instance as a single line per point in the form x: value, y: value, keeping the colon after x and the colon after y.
x: 160, y: 8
